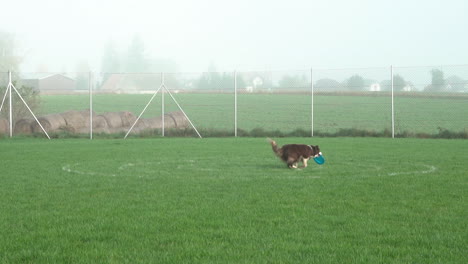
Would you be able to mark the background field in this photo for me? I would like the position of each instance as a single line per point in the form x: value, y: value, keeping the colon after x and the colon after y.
x: 183, y: 200
x: 288, y: 112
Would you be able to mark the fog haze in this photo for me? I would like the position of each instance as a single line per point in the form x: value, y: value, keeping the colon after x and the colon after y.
x: 58, y: 35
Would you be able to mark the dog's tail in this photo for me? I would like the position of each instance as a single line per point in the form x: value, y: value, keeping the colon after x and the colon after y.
x: 274, y: 146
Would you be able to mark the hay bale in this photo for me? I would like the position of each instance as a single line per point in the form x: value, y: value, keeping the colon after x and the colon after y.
x: 113, y: 119
x: 4, y: 126
x: 100, y: 124
x: 127, y: 118
x: 23, y: 126
x: 101, y: 130
x: 142, y: 125
x: 179, y: 119
x: 85, y: 114
x: 75, y: 119
x: 51, y: 123
x: 153, y: 122
x: 171, y: 120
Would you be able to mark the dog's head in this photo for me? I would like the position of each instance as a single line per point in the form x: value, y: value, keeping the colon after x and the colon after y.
x: 315, y: 150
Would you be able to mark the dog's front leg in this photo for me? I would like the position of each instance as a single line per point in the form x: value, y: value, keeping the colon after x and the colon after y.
x: 304, y: 162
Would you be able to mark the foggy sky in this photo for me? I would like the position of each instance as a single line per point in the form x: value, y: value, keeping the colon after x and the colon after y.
x: 242, y: 34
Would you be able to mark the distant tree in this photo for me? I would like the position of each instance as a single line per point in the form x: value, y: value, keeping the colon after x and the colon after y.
x: 82, y: 75
x: 209, y: 80
x: 110, y: 62
x: 456, y: 83
x: 294, y: 82
x: 214, y: 80
x: 327, y: 85
x: 355, y: 83
x: 136, y: 60
x: 438, y: 81
x: 399, y: 83
x: 227, y: 82
x: 9, y: 59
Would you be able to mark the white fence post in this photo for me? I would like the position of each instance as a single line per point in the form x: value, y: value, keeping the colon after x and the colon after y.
x: 235, y: 103
x: 90, y: 84
x: 312, y: 100
x: 393, y: 104
x: 10, y: 81
x: 162, y: 102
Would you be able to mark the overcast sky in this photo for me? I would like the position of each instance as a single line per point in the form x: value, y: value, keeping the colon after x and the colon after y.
x: 242, y: 34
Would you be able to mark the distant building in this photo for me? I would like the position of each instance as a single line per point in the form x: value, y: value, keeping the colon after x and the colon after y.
x: 49, y: 83
x: 132, y: 83
x: 375, y: 87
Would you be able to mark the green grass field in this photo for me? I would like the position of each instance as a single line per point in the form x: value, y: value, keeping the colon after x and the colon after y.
x: 185, y: 200
x: 288, y: 112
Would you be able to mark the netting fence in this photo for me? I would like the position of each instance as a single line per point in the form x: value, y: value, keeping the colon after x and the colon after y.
x: 386, y: 101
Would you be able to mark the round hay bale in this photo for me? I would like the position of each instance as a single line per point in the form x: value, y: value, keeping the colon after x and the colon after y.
x: 23, y: 126
x: 82, y: 130
x: 4, y: 126
x: 169, y: 121
x: 75, y: 119
x: 100, y: 125
x: 113, y: 119
x: 99, y: 121
x: 153, y: 122
x: 141, y: 125
x: 179, y: 119
x: 85, y: 114
x: 51, y: 123
x: 103, y: 130
x: 127, y: 118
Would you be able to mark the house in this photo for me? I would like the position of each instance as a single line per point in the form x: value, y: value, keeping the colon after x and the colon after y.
x: 131, y: 83
x: 375, y: 87
x: 409, y: 88
x: 116, y: 83
x: 49, y: 83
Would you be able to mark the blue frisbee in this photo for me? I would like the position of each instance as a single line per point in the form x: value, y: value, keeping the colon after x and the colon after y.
x: 319, y: 159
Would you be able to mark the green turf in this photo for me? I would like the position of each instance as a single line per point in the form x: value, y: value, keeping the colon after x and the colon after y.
x: 288, y: 112
x: 184, y: 200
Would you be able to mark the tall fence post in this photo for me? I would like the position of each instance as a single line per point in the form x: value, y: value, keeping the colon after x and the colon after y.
x: 90, y: 84
x: 162, y: 102
x: 10, y: 81
x: 393, y: 103
x: 312, y: 101
x: 235, y: 103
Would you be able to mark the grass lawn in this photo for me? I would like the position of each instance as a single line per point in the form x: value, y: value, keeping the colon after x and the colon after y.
x: 186, y: 200
x: 286, y: 112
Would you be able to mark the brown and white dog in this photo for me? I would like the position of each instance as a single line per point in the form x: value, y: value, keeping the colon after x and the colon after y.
x: 293, y: 153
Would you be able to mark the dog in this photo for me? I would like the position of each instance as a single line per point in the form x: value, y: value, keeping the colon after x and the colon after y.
x: 293, y: 153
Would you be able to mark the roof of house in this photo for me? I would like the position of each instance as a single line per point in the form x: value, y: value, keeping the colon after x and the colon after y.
x: 42, y: 75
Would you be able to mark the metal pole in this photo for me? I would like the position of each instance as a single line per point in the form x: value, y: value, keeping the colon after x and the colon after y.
x: 393, y: 104
x: 90, y: 106
x: 142, y: 112
x: 162, y: 101
x: 235, y: 103
x: 32, y: 113
x: 10, y: 84
x: 4, y: 97
x: 312, y: 100
x: 183, y: 112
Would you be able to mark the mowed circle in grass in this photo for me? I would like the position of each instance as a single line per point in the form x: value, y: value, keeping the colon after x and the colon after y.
x: 108, y: 169
x: 366, y: 168
x: 140, y: 169
x: 178, y: 169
